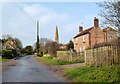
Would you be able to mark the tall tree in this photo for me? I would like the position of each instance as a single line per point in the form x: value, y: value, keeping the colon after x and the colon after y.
x: 37, y: 43
x: 110, y: 13
x: 70, y: 45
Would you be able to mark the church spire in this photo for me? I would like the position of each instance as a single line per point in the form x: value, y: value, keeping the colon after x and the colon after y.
x: 56, y: 36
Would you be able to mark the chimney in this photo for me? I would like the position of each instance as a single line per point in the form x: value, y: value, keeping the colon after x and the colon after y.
x: 80, y: 29
x: 96, y: 22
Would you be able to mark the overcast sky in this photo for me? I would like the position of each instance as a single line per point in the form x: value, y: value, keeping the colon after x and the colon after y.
x: 19, y: 19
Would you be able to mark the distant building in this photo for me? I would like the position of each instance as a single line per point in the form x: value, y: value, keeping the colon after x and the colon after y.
x: 9, y: 44
x: 93, y: 36
x: 56, y: 36
x: 64, y: 46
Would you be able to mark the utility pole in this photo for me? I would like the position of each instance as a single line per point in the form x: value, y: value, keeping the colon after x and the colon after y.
x: 37, y: 44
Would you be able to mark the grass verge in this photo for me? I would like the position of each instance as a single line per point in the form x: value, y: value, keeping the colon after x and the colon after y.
x: 94, y: 74
x: 4, y: 60
x: 50, y: 61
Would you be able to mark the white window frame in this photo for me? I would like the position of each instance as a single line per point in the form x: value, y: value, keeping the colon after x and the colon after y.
x: 76, y: 49
x: 76, y: 40
x: 83, y: 47
x: 84, y: 38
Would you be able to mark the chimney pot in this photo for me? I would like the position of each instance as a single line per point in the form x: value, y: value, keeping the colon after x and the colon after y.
x: 80, y: 28
x: 96, y: 22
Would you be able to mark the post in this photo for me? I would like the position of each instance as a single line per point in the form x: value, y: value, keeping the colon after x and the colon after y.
x: 85, y: 57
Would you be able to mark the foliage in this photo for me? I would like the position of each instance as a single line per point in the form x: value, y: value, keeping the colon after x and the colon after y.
x: 5, y: 60
x: 110, y: 13
x: 16, y: 44
x: 94, y: 74
x: 70, y: 45
x: 37, y: 45
x: 53, y: 47
x: 28, y: 50
x: 7, y: 54
x: 49, y: 60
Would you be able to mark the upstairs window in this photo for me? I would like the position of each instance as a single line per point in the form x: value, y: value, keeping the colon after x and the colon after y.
x: 84, y: 39
x: 76, y: 40
x: 110, y: 37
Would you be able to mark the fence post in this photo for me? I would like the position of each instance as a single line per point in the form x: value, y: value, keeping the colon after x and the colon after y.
x: 85, y: 57
x: 118, y: 54
x: 71, y: 57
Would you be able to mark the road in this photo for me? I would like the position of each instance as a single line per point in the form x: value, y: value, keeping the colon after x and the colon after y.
x: 28, y: 69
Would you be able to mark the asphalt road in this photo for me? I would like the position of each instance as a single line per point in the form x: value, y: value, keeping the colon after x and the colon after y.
x: 28, y: 69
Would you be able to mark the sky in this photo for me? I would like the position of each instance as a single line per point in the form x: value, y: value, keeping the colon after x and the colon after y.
x: 19, y: 19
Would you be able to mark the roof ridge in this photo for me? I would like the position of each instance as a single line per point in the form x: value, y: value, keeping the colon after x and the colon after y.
x: 84, y: 32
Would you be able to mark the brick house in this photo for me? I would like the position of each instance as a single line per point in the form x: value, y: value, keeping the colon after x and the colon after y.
x: 91, y: 36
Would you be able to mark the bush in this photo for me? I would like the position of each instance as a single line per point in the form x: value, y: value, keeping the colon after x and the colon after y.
x: 41, y: 54
x: 7, y: 54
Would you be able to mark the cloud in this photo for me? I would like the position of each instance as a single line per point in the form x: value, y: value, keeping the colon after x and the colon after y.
x: 18, y: 22
x: 37, y: 10
x: 45, y: 15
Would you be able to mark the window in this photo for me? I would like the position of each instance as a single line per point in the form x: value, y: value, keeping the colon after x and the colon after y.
x: 76, y: 40
x: 84, y: 39
x: 76, y: 49
x: 110, y: 37
x: 80, y: 48
x: 83, y: 47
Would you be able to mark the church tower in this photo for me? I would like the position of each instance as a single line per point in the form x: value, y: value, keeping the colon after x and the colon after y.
x: 56, y: 36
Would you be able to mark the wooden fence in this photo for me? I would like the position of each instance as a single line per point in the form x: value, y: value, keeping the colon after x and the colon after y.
x: 72, y: 57
x: 103, y: 56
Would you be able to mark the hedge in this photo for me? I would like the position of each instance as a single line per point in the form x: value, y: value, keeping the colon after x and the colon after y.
x: 9, y: 54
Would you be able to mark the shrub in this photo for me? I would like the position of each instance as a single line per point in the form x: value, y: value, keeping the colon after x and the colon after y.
x: 7, y: 54
x: 41, y: 54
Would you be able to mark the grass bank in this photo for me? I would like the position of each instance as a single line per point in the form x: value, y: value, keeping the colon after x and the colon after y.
x: 94, y: 74
x: 51, y: 61
x: 4, y: 60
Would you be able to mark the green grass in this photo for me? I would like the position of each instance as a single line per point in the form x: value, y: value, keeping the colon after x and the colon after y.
x: 50, y: 61
x: 94, y: 74
x: 4, y: 60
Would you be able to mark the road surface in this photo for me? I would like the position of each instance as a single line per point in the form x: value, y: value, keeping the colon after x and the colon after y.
x: 28, y: 69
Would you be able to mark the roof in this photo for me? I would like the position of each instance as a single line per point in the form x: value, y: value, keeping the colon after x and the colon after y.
x: 84, y: 32
x: 105, y: 29
x: 65, y: 44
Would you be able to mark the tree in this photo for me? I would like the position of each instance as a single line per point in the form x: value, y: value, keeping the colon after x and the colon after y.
x: 28, y: 50
x: 37, y: 43
x: 70, y: 45
x: 52, y: 49
x: 111, y: 14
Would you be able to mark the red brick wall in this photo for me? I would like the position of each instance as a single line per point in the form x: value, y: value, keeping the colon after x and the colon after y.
x: 97, y: 36
x: 108, y: 33
x: 80, y: 42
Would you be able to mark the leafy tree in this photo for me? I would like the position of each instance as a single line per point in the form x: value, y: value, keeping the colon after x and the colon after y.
x: 28, y: 50
x: 52, y: 48
x: 70, y: 45
x: 18, y: 44
x: 110, y: 13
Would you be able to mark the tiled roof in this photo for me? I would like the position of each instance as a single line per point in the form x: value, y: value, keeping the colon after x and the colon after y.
x: 84, y: 32
x: 105, y: 29
x: 65, y: 44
